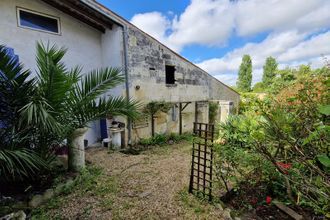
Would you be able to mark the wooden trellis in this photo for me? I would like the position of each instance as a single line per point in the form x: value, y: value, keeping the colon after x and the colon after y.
x: 202, y: 157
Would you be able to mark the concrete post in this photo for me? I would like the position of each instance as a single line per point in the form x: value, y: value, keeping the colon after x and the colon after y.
x: 77, y: 149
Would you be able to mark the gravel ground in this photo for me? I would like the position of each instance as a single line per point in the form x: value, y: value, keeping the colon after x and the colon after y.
x: 151, y: 185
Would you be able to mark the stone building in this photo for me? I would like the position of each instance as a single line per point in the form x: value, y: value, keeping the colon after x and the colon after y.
x: 96, y: 37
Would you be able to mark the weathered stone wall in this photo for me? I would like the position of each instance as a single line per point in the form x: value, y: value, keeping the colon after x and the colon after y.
x: 146, y: 62
x: 220, y: 91
x: 147, y: 59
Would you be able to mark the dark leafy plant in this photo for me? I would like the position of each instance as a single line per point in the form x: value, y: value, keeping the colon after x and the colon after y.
x: 18, y: 160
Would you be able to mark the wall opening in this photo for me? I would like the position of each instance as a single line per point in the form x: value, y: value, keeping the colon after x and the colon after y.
x: 170, y: 74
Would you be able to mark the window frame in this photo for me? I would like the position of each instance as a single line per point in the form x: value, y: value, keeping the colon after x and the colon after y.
x: 18, y: 15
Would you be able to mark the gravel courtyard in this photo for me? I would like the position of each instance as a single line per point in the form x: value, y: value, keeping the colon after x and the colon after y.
x: 151, y: 185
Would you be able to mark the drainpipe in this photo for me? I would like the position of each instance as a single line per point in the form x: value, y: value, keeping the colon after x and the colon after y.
x: 125, y: 42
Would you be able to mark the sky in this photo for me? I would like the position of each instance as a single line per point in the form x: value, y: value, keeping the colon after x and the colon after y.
x: 215, y: 34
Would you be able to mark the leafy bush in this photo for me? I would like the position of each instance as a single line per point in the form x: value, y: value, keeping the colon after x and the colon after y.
x: 283, y: 141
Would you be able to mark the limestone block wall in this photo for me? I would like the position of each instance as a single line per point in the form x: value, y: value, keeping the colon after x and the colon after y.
x: 147, y: 60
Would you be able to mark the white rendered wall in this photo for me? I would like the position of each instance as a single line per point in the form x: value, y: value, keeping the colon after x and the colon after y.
x: 83, y: 42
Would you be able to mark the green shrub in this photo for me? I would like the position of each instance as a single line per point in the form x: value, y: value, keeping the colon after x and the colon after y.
x: 163, y: 139
x: 284, y: 142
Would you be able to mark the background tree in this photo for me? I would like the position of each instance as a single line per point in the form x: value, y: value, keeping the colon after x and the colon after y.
x: 270, y: 68
x: 259, y: 87
x: 245, y: 74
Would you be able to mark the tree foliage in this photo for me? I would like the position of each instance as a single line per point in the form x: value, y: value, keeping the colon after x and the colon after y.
x: 269, y: 73
x: 245, y: 74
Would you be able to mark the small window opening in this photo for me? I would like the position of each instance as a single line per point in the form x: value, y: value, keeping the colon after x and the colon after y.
x: 170, y: 74
x: 38, y: 21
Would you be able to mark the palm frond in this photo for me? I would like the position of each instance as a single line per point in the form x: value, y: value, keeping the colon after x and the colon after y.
x: 19, y: 164
x: 38, y: 113
x: 9, y: 67
x: 103, y: 107
x: 54, y: 80
x: 116, y: 106
x: 97, y: 82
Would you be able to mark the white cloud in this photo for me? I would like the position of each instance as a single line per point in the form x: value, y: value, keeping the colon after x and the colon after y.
x: 315, y: 47
x: 255, y: 16
x: 205, y: 22
x: 154, y: 23
x: 230, y: 79
x: 273, y: 45
x: 212, y: 22
x: 289, y: 48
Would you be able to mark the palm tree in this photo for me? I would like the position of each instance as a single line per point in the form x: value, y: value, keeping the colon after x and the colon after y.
x: 64, y: 101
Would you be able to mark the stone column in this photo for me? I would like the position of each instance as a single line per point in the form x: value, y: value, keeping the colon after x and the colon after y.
x: 77, y: 149
x: 225, y: 109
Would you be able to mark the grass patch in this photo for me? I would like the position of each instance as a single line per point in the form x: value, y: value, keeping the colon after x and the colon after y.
x: 191, y: 202
x: 91, y: 182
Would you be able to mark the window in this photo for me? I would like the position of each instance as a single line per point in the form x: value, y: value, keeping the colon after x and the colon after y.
x: 37, y: 21
x: 170, y: 74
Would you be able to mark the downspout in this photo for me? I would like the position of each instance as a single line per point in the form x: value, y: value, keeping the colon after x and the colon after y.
x: 125, y: 42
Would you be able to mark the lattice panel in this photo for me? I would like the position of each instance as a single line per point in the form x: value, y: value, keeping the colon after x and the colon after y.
x: 202, y: 158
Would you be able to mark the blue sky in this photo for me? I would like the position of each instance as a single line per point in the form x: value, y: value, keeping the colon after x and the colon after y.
x: 215, y: 34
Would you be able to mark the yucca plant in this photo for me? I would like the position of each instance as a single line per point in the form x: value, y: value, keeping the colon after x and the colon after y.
x: 73, y: 99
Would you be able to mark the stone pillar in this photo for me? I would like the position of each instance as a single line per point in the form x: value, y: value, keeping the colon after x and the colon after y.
x: 77, y: 149
x: 225, y: 108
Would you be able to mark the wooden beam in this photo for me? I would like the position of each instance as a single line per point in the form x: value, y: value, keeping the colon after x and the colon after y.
x: 81, y: 12
x: 187, y: 103
x: 180, y: 114
x: 196, y: 112
x: 152, y: 125
x: 90, y: 13
x: 180, y: 118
